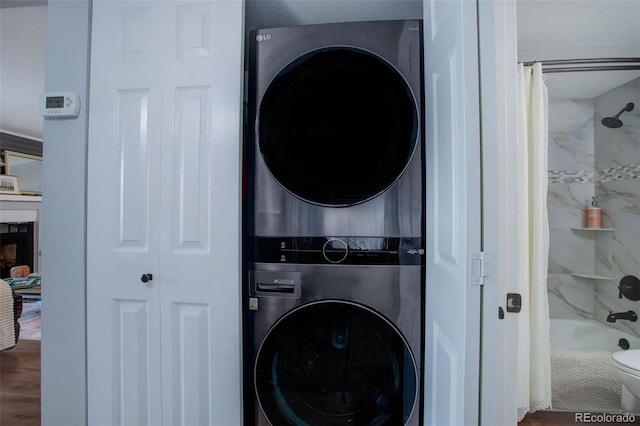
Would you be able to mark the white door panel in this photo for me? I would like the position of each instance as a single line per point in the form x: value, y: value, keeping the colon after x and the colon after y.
x: 453, y: 213
x: 498, y: 44
x: 122, y: 242
x: 201, y: 166
x: 164, y: 184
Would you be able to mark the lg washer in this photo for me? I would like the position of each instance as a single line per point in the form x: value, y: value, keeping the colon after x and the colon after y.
x: 336, y: 344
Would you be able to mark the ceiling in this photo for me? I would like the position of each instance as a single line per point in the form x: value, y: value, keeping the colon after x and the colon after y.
x: 578, y: 29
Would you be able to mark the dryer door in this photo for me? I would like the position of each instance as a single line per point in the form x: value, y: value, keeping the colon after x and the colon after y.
x: 337, y: 126
x: 335, y: 363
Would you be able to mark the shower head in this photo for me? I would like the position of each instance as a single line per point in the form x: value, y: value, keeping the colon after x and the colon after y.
x: 615, y: 122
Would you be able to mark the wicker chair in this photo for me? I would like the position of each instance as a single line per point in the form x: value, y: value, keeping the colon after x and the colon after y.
x: 9, y: 298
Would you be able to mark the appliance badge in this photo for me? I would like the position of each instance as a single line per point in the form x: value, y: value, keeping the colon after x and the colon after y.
x: 253, y: 303
x: 263, y: 37
x: 416, y: 251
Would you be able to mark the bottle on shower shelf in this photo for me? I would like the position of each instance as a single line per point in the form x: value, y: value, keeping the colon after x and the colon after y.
x: 594, y: 215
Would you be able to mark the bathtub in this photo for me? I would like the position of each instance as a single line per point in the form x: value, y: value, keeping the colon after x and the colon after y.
x: 587, y: 335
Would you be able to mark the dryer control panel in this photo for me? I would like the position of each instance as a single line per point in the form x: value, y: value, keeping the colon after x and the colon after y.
x: 338, y: 250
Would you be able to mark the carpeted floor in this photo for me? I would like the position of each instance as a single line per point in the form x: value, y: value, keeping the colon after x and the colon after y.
x: 30, y: 322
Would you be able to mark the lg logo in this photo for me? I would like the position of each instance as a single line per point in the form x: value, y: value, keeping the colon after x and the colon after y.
x: 261, y: 37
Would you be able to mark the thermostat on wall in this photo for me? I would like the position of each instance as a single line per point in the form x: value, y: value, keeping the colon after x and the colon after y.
x: 59, y: 104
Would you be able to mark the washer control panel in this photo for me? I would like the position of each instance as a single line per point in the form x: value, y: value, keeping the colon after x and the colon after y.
x: 338, y: 250
x: 335, y: 250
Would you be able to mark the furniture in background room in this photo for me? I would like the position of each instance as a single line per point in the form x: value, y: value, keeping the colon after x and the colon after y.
x: 10, y: 311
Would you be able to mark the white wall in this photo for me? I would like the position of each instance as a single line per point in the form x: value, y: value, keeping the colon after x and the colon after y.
x: 275, y: 13
x: 23, y: 32
x: 64, y: 221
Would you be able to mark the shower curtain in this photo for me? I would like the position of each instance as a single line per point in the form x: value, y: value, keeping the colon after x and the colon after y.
x: 534, y: 357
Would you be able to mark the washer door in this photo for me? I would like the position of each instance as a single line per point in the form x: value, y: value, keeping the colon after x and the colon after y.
x: 335, y: 363
x: 337, y: 126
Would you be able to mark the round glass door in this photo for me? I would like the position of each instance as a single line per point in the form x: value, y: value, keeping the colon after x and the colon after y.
x: 335, y: 363
x: 337, y: 126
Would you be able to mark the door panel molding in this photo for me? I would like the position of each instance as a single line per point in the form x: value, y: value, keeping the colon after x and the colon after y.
x: 133, y: 164
x: 192, y: 169
x: 131, y: 362
x: 192, y: 371
x: 444, y: 385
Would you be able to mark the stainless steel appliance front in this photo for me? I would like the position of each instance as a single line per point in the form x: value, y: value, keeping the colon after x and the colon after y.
x: 335, y: 145
x: 336, y: 344
x: 334, y: 225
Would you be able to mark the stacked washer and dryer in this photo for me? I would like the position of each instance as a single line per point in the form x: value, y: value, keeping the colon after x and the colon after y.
x: 334, y: 225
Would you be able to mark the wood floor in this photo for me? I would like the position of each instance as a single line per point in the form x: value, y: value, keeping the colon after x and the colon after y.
x: 20, y: 392
x: 20, y: 384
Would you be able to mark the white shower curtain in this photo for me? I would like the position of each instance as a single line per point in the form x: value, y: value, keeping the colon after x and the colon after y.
x: 534, y: 357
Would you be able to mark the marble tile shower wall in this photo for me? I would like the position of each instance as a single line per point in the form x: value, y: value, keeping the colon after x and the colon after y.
x: 571, y: 186
x: 617, y: 154
x: 587, y: 159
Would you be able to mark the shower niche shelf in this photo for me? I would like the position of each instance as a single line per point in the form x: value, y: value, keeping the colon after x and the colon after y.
x: 591, y: 276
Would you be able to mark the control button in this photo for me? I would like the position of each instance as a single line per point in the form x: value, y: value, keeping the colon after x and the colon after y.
x: 335, y: 250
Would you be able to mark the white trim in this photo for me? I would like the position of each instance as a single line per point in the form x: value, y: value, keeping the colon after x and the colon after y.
x: 18, y: 216
x: 27, y: 198
x: 498, y: 59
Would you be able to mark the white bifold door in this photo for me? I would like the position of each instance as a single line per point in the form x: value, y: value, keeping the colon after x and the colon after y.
x: 452, y: 133
x: 164, y: 176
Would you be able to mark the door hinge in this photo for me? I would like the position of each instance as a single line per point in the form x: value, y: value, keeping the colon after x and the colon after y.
x: 479, y: 268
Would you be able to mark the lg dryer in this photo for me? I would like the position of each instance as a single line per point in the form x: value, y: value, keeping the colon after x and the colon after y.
x: 334, y: 141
